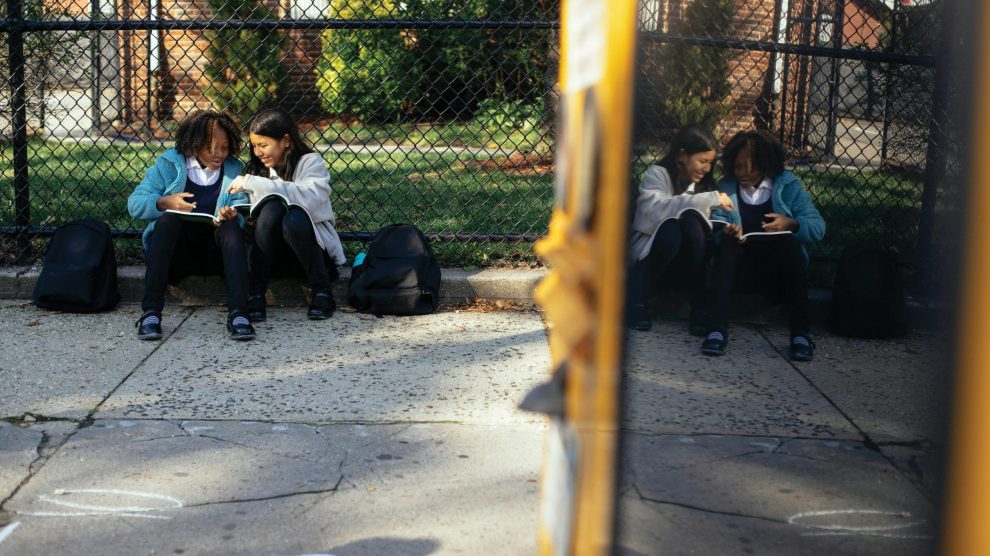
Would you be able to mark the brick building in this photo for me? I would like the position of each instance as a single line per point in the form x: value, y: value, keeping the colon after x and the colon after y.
x: 147, y: 77
x: 782, y: 92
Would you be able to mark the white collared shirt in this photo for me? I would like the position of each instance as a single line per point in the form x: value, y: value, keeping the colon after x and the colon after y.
x: 198, y: 174
x: 757, y: 195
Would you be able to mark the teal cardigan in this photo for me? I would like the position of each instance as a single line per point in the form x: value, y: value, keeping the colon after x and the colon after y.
x: 789, y: 198
x: 168, y: 176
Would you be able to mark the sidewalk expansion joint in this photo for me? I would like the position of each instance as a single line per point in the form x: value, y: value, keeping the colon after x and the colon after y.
x: 90, y: 417
x: 867, y: 441
x: 29, y: 418
x: 774, y: 437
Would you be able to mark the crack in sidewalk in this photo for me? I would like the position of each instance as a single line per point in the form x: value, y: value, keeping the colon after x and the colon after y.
x: 704, y: 510
x: 267, y: 498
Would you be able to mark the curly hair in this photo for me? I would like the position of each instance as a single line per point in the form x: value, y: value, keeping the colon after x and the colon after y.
x: 277, y: 123
x: 196, y: 132
x: 766, y: 151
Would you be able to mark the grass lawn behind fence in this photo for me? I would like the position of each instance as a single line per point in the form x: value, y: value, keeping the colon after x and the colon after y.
x: 441, y: 191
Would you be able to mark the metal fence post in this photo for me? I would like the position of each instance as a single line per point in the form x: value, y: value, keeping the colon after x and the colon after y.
x: 838, y: 19
x: 96, y: 61
x: 887, y: 89
x: 22, y: 196
x: 935, y: 156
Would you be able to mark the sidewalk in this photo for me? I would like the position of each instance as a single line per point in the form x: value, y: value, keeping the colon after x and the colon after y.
x: 366, y: 436
x: 354, y: 435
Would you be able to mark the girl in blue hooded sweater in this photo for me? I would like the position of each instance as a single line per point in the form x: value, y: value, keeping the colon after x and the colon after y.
x: 193, y: 177
x: 766, y: 198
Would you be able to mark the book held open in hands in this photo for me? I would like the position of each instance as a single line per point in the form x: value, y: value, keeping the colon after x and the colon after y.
x: 202, y: 217
x: 714, y: 224
x: 250, y: 210
x: 750, y: 235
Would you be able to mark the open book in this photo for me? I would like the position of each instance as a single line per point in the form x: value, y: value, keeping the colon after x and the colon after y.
x: 750, y: 235
x: 714, y: 224
x: 203, y: 217
x: 250, y: 210
x: 697, y: 213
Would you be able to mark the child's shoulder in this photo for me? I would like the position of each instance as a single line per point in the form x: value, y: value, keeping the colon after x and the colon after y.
x: 788, y: 181
x: 233, y: 163
x: 170, y: 161
x: 656, y: 175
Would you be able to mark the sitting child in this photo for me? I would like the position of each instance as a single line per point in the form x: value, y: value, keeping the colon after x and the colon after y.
x: 669, y: 228
x: 193, y: 176
x: 299, y: 221
x: 767, y: 198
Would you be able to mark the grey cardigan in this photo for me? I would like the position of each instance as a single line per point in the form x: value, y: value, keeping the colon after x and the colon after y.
x: 656, y: 203
x: 309, y: 189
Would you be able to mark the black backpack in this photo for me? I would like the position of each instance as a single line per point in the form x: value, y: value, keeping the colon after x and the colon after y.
x: 399, y: 275
x: 80, y: 272
x: 868, y: 299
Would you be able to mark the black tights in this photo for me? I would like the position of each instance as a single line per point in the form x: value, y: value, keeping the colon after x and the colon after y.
x: 179, y: 249
x: 277, y: 227
x: 679, y: 243
x: 770, y: 264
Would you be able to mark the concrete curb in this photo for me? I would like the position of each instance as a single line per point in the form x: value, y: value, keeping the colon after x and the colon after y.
x: 458, y: 286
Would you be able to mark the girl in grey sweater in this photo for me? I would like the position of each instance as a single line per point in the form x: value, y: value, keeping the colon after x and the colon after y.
x: 289, y: 188
x: 671, y: 223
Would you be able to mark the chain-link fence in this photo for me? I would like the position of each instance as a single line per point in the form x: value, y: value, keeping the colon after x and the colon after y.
x: 855, y: 89
x: 440, y: 112
x: 425, y: 111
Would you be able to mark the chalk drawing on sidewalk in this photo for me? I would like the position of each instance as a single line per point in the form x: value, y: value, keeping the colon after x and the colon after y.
x: 57, y: 498
x: 8, y: 529
x: 890, y: 530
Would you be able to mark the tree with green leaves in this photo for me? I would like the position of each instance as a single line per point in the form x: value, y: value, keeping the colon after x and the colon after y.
x: 244, y: 69
x: 695, y: 79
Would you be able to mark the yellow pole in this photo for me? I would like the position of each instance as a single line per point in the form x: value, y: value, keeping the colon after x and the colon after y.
x: 583, y: 296
x: 966, y: 529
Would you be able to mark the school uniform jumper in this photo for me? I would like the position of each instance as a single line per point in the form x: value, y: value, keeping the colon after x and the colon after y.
x: 663, y: 232
x: 769, y: 260
x: 174, y: 248
x: 306, y: 227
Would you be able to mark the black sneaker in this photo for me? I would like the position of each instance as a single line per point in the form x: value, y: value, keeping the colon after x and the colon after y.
x: 239, y: 326
x: 322, y: 307
x: 638, y: 317
x: 802, y: 348
x: 149, y: 326
x: 715, y: 343
x: 256, y: 311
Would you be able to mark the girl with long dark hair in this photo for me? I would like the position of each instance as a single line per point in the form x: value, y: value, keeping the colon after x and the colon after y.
x: 299, y: 219
x: 675, y: 199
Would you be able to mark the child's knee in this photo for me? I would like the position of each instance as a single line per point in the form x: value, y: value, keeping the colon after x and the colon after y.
x: 295, y: 222
x: 230, y: 232
x: 168, y: 220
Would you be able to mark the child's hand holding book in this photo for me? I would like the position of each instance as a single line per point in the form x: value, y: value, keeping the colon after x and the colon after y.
x: 176, y: 202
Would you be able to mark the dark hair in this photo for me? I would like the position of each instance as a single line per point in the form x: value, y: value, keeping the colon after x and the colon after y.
x: 691, y: 139
x: 277, y: 123
x: 196, y: 132
x: 767, y: 152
